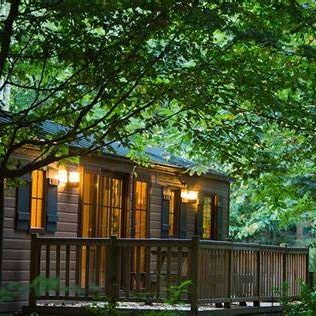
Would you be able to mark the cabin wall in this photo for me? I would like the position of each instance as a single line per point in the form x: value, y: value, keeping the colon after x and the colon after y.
x: 17, y: 244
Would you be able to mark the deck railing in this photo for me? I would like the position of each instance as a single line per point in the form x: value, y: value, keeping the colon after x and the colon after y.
x: 131, y: 269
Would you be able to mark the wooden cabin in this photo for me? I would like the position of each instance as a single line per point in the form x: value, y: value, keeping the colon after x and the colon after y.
x: 107, y: 196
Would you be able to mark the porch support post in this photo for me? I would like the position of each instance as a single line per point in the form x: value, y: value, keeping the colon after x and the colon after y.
x: 258, y: 277
x: 34, y: 269
x: 230, y: 276
x: 194, y: 274
x: 112, y: 286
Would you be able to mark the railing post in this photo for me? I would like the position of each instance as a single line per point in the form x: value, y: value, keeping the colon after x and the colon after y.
x: 258, y: 272
x: 111, y: 268
x: 230, y: 277
x: 284, y: 277
x: 34, y: 269
x: 194, y: 273
x: 308, y: 280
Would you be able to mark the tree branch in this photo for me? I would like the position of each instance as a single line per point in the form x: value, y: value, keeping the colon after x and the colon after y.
x: 7, y: 33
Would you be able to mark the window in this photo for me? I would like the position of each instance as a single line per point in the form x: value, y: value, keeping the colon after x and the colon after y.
x: 36, y: 205
x: 141, y: 209
x: 37, y: 199
x: 102, y: 214
x: 111, y: 206
x: 209, y: 217
x: 174, y: 214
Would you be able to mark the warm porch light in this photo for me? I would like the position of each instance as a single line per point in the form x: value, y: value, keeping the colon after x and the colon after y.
x: 187, y: 195
x: 71, y: 177
x: 74, y: 177
x: 62, y: 176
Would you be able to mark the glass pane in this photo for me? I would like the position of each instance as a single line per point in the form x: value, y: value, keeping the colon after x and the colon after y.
x: 40, y: 184
x: 105, y: 198
x: 138, y: 195
x: 171, y: 213
x: 86, y: 187
x: 143, y: 229
x: 85, y: 220
x: 141, y: 198
x: 207, y: 218
x: 115, y: 222
x: 33, y: 213
x: 39, y: 213
x: 103, y: 220
x: 37, y: 194
x: 94, y: 189
x: 137, y: 223
x: 144, y: 195
x: 116, y: 193
x: 34, y: 183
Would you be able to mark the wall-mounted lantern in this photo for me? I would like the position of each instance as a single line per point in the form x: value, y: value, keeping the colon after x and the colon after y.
x: 68, y: 177
x: 189, y: 196
x: 74, y: 177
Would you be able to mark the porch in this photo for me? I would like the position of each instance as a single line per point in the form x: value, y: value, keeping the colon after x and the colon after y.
x: 145, y: 269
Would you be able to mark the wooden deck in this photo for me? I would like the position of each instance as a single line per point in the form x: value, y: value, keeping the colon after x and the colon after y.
x: 138, y: 269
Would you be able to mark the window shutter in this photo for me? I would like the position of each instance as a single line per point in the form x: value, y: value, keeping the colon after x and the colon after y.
x: 165, y: 218
x: 220, y: 210
x: 51, y: 206
x: 23, y: 203
x: 199, y: 220
x: 183, y: 221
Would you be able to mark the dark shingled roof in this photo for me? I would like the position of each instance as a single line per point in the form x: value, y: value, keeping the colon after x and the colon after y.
x: 156, y: 155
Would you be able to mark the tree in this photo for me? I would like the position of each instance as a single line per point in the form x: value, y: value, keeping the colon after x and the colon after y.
x: 212, y: 75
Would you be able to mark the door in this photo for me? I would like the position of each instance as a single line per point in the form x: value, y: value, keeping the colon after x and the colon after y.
x: 207, y: 217
x: 140, y: 255
x: 103, y: 215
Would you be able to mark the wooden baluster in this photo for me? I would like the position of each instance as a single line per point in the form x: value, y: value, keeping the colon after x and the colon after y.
x: 148, y: 264
x: 87, y: 274
x: 179, y: 265
x: 118, y: 271
x: 138, y: 267
x: 67, y: 269
x: 284, y: 266
x: 128, y: 268
x: 258, y: 277
x: 306, y: 263
x: 78, y: 267
x: 158, y: 273
x: 58, y: 268
x: 168, y: 268
x: 97, y: 265
x: 47, y: 275
x: 242, y: 268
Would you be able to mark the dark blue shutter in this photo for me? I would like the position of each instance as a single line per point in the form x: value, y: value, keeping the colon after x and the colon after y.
x: 219, y: 217
x: 183, y: 221
x: 51, y: 206
x: 165, y: 218
x: 23, y: 203
x: 199, y: 220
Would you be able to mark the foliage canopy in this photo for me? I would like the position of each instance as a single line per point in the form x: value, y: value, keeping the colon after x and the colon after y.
x: 228, y: 83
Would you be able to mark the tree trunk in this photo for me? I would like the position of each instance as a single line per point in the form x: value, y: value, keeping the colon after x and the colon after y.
x: 1, y: 224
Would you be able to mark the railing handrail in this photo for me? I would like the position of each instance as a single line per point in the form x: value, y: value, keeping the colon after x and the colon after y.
x: 170, y: 241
